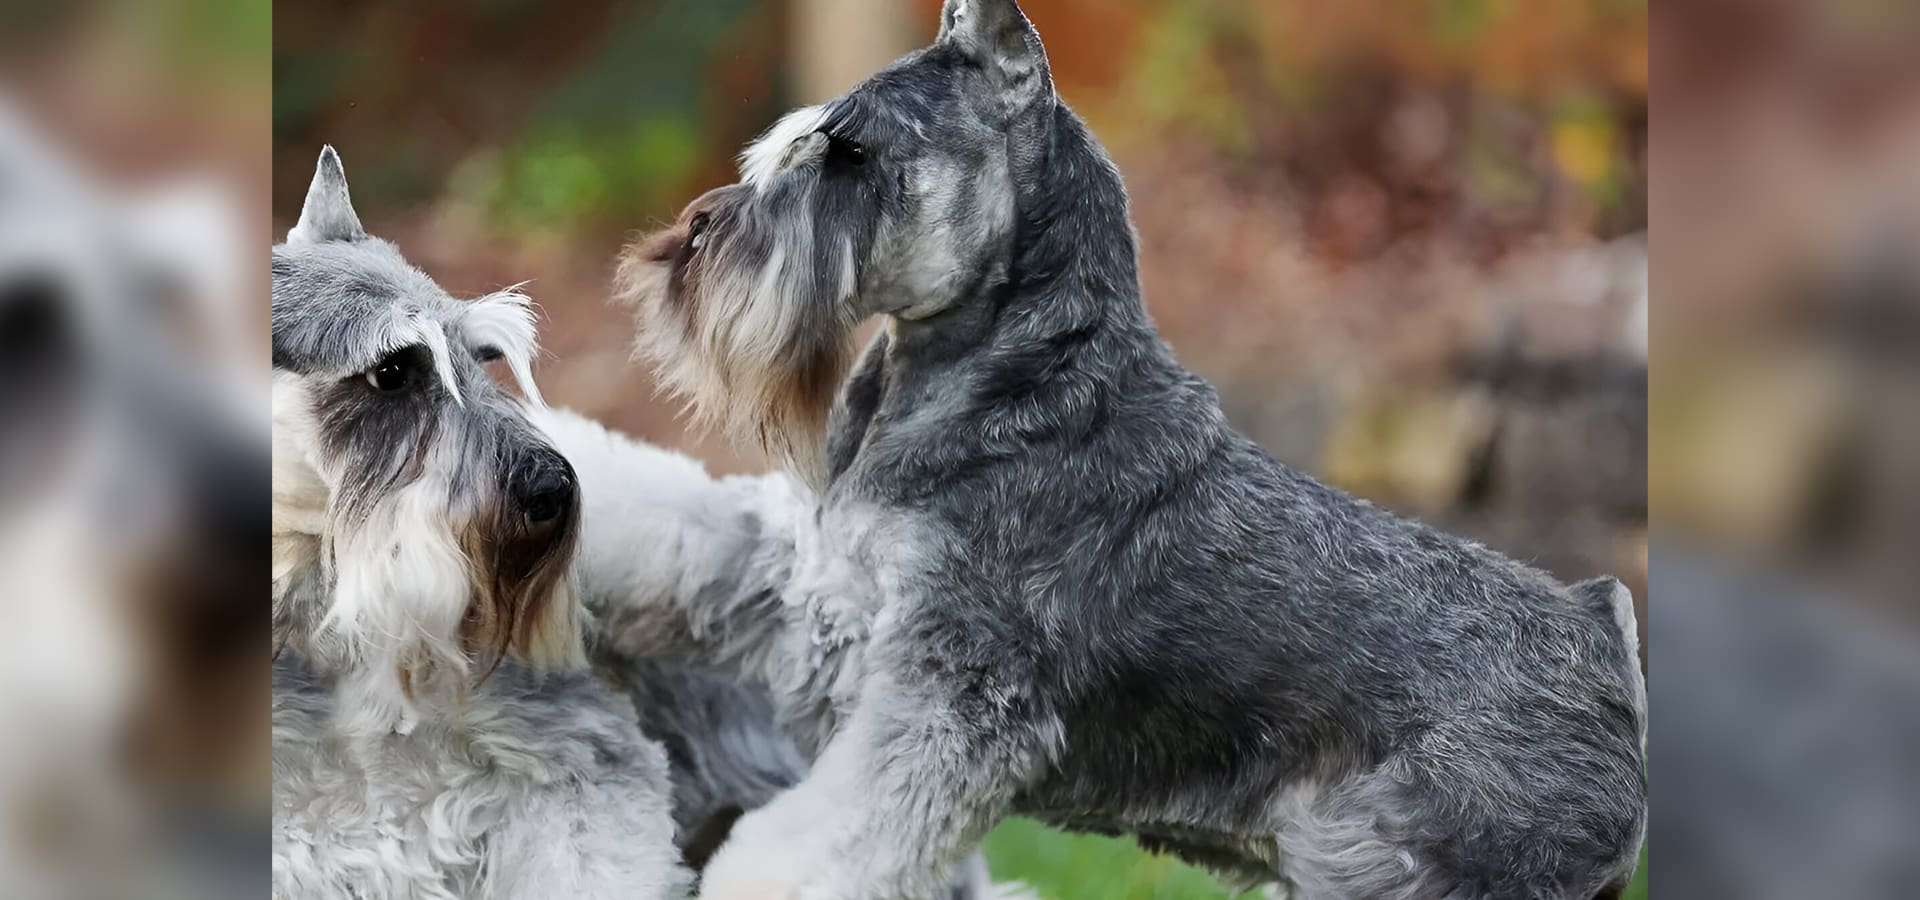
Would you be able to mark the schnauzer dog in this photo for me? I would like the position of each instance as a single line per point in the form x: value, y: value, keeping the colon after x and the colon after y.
x: 1044, y: 576
x: 435, y: 731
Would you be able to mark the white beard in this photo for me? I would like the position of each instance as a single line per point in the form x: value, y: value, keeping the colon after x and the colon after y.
x: 401, y: 589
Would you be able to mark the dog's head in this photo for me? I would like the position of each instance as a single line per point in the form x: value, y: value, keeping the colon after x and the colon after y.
x: 423, y: 526
x: 898, y: 198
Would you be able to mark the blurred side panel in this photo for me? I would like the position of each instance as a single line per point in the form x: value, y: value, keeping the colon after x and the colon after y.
x: 1784, y: 434
x: 134, y: 469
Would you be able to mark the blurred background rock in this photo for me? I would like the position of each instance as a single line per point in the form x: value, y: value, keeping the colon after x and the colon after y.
x: 1406, y: 239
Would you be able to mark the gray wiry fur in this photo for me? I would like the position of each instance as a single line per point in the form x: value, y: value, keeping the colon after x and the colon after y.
x: 688, y: 575
x: 1043, y: 574
x: 423, y: 534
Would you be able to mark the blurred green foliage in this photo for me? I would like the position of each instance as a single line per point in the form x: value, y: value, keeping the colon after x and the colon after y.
x: 534, y: 123
x: 619, y: 136
x: 217, y: 34
x: 196, y: 39
x: 573, y: 175
x: 1461, y: 22
x: 611, y: 115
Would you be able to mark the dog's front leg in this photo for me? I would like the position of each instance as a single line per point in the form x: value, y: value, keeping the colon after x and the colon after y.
x: 674, y: 563
x: 910, y: 783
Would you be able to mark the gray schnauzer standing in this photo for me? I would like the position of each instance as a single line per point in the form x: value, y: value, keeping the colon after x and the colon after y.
x: 1044, y: 576
x: 435, y: 733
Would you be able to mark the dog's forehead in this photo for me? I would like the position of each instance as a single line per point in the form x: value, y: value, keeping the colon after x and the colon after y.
x: 338, y: 305
x: 369, y: 271
x: 922, y: 93
x: 915, y: 105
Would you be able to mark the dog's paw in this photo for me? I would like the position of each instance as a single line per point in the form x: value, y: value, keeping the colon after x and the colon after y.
x: 728, y: 884
x: 756, y: 882
x: 747, y: 868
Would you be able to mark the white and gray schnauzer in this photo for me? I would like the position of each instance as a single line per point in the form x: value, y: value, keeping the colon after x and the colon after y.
x: 1045, y: 577
x: 436, y: 733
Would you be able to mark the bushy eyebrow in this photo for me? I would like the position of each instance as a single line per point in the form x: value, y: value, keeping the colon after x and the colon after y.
x: 341, y: 326
x: 504, y: 321
x: 760, y: 161
x: 845, y: 117
x: 413, y: 330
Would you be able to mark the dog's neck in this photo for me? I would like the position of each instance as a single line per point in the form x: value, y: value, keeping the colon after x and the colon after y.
x: 1076, y: 260
x: 1074, y: 268
x: 1072, y: 283
x: 1039, y: 348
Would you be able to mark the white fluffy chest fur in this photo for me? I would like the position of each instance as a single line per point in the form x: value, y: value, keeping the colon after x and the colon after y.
x: 846, y: 566
x: 537, y: 788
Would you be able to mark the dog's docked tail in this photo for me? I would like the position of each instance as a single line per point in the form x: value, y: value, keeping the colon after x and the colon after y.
x: 1610, y: 599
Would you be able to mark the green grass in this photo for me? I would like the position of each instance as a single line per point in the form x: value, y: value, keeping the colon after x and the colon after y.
x: 1084, y: 867
x: 1638, y: 889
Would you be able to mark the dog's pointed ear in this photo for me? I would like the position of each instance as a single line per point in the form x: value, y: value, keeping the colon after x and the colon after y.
x: 328, y: 214
x: 996, y: 35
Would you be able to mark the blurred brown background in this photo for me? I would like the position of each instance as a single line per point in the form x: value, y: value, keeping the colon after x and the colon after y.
x: 1406, y: 239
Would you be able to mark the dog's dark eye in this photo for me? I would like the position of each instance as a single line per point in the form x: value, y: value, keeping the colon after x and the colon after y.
x: 697, y: 229
x: 844, y: 154
x: 392, y: 374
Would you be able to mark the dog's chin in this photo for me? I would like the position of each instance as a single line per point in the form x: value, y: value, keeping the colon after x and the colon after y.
x: 720, y: 340
x: 425, y: 676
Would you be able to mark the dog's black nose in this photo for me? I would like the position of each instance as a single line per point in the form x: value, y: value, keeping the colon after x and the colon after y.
x: 546, y: 493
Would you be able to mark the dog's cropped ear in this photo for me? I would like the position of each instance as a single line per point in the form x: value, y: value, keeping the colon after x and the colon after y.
x: 328, y: 214
x: 996, y: 35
